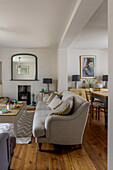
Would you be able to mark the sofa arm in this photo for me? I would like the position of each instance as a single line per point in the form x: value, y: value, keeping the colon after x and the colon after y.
x: 65, y: 127
x: 4, y: 151
x: 7, y: 145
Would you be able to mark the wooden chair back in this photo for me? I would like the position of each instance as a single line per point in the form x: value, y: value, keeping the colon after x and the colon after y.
x: 88, y: 95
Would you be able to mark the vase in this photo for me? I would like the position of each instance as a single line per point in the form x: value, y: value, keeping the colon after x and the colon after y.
x: 98, y: 85
x: 83, y: 84
x: 9, y: 106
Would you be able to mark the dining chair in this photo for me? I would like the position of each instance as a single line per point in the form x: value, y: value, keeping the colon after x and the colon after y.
x: 98, y: 105
x: 101, y: 107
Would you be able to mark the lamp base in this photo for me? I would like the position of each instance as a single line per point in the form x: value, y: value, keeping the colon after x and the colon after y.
x: 76, y: 85
x: 106, y: 84
x: 47, y: 87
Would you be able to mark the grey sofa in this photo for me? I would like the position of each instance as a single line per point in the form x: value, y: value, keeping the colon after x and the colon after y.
x: 7, y: 145
x: 56, y: 129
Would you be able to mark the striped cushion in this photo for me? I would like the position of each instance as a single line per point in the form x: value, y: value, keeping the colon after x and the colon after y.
x: 63, y: 111
x: 64, y: 108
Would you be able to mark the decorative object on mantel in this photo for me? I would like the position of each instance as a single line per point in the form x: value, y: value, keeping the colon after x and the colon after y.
x: 83, y: 84
x: 76, y: 78
x: 87, y: 66
x: 97, y: 85
x: 105, y: 78
x: 47, y: 81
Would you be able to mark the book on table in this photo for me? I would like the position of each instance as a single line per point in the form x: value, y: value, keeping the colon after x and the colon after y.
x: 3, y: 110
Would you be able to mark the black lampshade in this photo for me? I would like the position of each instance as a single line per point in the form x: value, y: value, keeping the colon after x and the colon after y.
x: 75, y: 77
x: 105, y: 77
x: 47, y: 80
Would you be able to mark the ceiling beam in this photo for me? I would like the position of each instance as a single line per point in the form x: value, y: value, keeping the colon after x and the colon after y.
x: 82, y: 13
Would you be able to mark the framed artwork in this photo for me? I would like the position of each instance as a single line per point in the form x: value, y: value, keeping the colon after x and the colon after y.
x: 87, y: 67
x: 23, y: 70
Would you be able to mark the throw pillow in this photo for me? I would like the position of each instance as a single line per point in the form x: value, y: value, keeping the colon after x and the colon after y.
x: 55, y: 102
x: 64, y: 108
x: 51, y: 97
x: 58, y: 93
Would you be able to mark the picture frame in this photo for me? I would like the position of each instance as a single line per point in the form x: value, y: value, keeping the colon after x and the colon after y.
x: 88, y: 66
x: 24, y: 70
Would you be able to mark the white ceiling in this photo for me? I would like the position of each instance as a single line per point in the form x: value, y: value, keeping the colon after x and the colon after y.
x: 82, y: 13
x: 95, y: 33
x: 48, y: 23
x: 33, y: 23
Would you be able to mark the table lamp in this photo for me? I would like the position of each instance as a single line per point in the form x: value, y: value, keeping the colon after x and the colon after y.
x: 47, y: 81
x: 76, y: 78
x: 105, y: 78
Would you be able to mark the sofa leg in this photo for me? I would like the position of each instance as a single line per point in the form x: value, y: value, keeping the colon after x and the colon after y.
x: 79, y: 146
x: 39, y: 146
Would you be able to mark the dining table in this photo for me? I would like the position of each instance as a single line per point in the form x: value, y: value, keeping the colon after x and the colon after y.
x: 103, y: 96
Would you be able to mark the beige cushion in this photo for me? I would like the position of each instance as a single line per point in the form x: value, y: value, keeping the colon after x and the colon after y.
x: 55, y: 102
x: 64, y: 108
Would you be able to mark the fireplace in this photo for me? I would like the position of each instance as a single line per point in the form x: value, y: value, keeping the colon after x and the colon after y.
x: 24, y: 93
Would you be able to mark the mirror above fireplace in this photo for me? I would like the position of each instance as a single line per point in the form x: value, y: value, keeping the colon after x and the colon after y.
x: 24, y: 67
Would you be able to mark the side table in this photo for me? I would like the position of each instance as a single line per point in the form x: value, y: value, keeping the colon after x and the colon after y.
x: 44, y: 93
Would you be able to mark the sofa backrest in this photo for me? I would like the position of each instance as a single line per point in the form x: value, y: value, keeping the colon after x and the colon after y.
x: 77, y: 100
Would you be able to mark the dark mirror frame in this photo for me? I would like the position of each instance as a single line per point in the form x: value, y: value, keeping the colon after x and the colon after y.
x: 35, y: 67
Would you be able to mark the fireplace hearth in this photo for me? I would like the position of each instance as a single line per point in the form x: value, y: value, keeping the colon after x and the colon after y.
x: 24, y: 93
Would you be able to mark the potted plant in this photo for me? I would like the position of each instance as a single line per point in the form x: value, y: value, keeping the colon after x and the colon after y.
x: 90, y: 82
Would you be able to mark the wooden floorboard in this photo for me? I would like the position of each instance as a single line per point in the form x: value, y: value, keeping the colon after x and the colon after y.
x: 93, y: 154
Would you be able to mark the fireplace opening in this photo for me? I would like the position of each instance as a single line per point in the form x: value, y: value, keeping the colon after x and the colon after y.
x: 24, y: 93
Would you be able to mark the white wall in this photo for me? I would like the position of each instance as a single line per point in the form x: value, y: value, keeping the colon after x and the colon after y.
x: 0, y: 72
x: 47, y: 67
x: 74, y: 63
x: 62, y: 70
x: 110, y: 104
x: 1, y: 90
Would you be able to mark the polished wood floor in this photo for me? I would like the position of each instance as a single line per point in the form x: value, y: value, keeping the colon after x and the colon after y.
x: 93, y: 154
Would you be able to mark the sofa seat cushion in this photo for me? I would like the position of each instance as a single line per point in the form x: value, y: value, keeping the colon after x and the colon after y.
x: 42, y: 106
x: 39, y: 122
